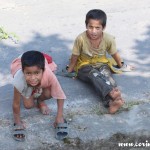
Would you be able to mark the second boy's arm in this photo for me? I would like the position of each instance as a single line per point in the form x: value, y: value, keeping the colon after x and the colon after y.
x: 124, y: 67
x: 117, y: 58
x: 73, y: 62
x: 16, y: 106
x: 59, y: 117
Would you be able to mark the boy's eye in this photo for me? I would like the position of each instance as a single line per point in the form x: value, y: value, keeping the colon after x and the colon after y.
x: 36, y: 73
x: 90, y: 27
x: 28, y: 73
x: 32, y: 73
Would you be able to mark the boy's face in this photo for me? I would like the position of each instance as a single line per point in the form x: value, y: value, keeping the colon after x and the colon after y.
x: 94, y: 29
x: 33, y: 75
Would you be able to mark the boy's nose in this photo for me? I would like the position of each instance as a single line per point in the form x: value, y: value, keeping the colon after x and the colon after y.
x: 94, y: 30
x: 32, y: 76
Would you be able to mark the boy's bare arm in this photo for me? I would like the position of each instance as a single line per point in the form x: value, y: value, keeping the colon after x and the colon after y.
x: 73, y: 62
x: 16, y: 106
x: 117, y: 58
x: 59, y: 117
x: 60, y: 104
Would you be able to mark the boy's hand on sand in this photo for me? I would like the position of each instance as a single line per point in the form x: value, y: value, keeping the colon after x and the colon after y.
x: 21, y: 123
x: 65, y: 73
x: 124, y: 68
x: 58, y: 120
x: 127, y: 68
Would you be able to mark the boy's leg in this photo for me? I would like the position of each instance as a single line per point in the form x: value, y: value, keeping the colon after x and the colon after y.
x: 113, y: 99
x: 40, y: 101
x: 93, y: 76
x: 105, y: 71
x: 106, y: 74
x: 103, y: 85
x: 83, y: 73
x: 30, y: 102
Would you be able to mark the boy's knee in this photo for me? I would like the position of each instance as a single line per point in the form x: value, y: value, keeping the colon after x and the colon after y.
x: 94, y: 73
x: 46, y: 94
x: 28, y: 106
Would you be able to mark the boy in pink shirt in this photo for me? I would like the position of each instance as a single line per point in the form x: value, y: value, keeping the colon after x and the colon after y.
x: 33, y: 79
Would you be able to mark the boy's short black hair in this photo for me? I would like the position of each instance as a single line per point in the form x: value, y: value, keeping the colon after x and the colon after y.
x: 98, y: 15
x: 33, y: 58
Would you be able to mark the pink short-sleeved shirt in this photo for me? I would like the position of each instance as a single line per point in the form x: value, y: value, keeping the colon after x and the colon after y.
x: 49, y: 81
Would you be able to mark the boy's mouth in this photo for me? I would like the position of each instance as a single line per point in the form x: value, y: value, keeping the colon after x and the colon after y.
x: 94, y: 36
x: 33, y: 83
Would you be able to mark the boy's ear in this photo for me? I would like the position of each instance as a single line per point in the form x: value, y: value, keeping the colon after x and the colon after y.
x: 86, y: 24
x: 104, y: 28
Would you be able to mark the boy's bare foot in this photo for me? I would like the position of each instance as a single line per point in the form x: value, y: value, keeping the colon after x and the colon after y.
x: 114, y: 93
x: 114, y: 105
x: 43, y: 108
